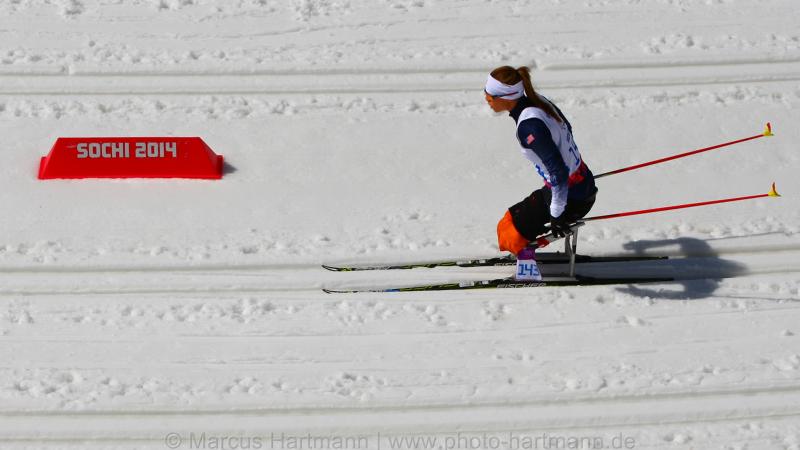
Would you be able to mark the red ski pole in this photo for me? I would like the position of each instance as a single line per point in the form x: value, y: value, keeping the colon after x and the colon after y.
x: 772, y: 193
x: 767, y: 132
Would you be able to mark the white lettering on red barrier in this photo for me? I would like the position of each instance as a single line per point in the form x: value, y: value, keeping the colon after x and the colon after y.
x: 123, y: 150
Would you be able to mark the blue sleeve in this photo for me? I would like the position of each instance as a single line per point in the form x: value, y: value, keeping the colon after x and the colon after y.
x: 533, y: 134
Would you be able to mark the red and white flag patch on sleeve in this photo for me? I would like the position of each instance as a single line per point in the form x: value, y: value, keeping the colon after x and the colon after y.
x: 530, y: 139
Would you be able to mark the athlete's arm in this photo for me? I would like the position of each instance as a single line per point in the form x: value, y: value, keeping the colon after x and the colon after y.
x: 534, y: 135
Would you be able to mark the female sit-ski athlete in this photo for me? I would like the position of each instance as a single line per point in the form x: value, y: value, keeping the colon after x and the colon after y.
x: 546, y: 139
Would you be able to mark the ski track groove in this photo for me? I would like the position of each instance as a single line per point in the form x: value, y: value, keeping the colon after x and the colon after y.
x: 544, y: 66
x: 389, y: 407
x: 112, y: 291
x: 410, y: 89
x: 427, y: 80
x: 462, y: 332
x: 266, y: 290
x: 151, y: 425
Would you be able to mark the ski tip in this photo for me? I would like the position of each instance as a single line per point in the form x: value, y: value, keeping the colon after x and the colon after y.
x: 768, y: 130
x: 336, y: 291
x: 357, y: 291
x: 773, y: 192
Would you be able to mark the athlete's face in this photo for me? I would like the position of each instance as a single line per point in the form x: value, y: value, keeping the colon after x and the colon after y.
x: 499, y: 104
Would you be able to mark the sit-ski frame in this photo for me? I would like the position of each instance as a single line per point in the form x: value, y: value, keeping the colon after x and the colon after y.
x: 570, y: 244
x: 571, y: 248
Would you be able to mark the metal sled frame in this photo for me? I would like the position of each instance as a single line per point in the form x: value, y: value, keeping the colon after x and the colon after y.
x: 570, y: 244
x: 571, y: 248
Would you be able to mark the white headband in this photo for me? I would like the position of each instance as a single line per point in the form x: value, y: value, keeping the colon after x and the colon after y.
x: 502, y: 90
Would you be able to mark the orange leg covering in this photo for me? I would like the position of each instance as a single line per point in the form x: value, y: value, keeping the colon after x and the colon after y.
x: 508, y: 238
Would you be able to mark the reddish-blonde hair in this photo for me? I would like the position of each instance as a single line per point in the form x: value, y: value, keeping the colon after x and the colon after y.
x: 510, y: 75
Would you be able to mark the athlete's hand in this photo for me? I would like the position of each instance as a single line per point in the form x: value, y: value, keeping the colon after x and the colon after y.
x: 559, y: 226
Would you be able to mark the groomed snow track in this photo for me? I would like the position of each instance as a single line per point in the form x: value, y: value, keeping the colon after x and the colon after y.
x: 715, y: 411
x: 428, y: 367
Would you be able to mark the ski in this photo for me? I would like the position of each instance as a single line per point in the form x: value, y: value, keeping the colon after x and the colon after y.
x: 509, y: 260
x: 505, y: 283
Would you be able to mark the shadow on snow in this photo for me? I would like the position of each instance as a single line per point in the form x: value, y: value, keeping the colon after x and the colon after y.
x: 698, y: 277
x: 698, y: 269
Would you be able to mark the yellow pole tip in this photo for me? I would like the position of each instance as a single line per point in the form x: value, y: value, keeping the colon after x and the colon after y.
x: 768, y: 130
x: 773, y: 192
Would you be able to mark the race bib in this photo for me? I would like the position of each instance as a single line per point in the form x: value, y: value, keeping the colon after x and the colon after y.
x: 527, y: 269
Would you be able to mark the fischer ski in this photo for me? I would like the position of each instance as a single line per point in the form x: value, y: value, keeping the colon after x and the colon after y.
x: 508, y: 260
x: 505, y: 283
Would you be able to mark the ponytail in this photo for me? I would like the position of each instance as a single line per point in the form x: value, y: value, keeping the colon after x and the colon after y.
x: 537, y: 101
x: 525, y: 73
x: 511, y: 76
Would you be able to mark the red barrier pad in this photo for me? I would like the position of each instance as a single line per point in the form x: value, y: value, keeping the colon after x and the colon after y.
x: 131, y: 157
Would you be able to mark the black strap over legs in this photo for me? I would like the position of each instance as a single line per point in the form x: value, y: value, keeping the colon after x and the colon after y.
x: 531, y: 215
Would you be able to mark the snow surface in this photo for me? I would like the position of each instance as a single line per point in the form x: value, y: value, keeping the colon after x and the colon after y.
x: 356, y: 131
